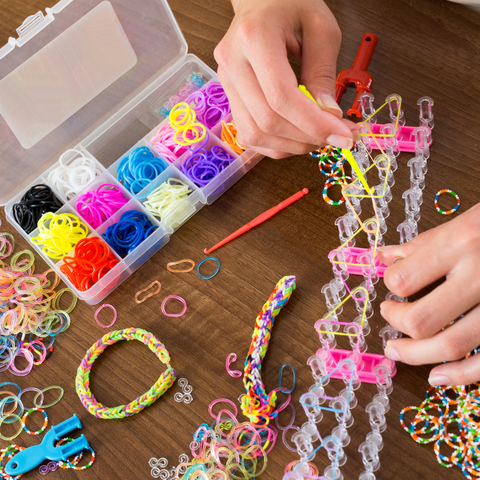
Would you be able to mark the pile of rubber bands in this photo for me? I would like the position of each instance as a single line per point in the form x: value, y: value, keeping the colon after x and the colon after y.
x: 229, y: 136
x: 211, y: 104
x: 30, y: 314
x: 194, y: 83
x: 332, y: 164
x: 449, y: 418
x: 92, y: 260
x: 168, y: 196
x: 137, y: 170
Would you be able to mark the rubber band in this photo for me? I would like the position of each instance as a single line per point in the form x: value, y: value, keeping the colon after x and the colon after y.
x: 194, y: 82
x: 202, y: 262
x: 185, y: 260
x: 327, y: 198
x: 16, y: 418
x: 232, y: 357
x: 167, y: 197
x: 31, y: 389
x: 13, y: 384
x: 45, y: 423
x: 174, y: 314
x: 280, y: 376
x: 42, y: 392
x: 151, y: 294
x: 229, y: 136
x: 448, y: 212
x: 17, y: 403
x: 114, y: 315
x: 82, y: 380
x: 73, y: 464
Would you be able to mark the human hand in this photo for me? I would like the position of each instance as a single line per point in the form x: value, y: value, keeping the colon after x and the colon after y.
x: 271, y: 114
x: 451, y: 250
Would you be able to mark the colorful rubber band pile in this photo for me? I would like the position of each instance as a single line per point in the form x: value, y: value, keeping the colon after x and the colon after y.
x: 229, y: 136
x: 97, y: 206
x: 125, y: 236
x: 257, y: 405
x: 210, y: 104
x: 204, y: 165
x: 454, y: 408
x: 91, y: 260
x: 139, y: 169
x: 194, y: 83
x: 30, y: 315
x: 59, y: 234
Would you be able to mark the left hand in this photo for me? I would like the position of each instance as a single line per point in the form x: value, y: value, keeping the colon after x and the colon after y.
x: 451, y: 250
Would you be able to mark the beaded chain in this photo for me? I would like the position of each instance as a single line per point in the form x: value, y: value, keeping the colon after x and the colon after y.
x: 82, y: 381
x: 256, y: 404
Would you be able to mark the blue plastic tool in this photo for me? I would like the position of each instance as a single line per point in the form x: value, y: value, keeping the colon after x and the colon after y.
x: 31, y: 457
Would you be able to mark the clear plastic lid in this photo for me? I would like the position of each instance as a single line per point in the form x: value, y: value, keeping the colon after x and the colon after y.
x: 72, y: 69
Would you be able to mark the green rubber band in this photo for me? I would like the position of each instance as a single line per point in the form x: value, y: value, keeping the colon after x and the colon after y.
x: 46, y: 390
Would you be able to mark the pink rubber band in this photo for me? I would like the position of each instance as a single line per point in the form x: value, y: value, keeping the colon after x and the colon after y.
x: 28, y: 356
x: 220, y: 400
x: 174, y: 314
x: 232, y: 357
x: 31, y: 389
x: 114, y: 315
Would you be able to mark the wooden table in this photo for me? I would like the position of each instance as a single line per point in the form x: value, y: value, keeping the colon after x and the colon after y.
x: 427, y: 47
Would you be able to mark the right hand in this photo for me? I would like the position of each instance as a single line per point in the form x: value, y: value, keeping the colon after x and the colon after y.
x: 272, y: 116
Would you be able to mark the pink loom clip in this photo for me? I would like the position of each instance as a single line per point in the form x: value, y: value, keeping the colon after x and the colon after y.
x: 404, y: 136
x: 352, y: 253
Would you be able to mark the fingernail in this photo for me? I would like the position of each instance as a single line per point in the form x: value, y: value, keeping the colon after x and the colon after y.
x: 397, y: 259
x: 392, y: 354
x: 340, y: 141
x: 435, y: 380
x: 326, y: 101
x: 356, y: 135
x: 386, y: 249
x: 381, y: 311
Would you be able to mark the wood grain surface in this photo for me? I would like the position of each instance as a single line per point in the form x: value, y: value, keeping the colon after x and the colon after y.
x: 426, y: 47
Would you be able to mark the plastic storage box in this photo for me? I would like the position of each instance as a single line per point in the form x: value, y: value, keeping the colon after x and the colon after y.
x: 92, y: 76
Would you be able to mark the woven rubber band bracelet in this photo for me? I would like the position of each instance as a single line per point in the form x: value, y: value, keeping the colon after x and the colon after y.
x: 82, y: 381
x: 447, y: 212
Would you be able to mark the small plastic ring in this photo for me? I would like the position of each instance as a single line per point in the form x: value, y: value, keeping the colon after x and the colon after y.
x: 151, y: 294
x: 114, y: 315
x: 447, y: 212
x: 45, y: 423
x: 214, y: 273
x: 185, y: 260
x: 174, y: 314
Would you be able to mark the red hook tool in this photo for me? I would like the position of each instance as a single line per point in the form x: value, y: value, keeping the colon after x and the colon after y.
x: 357, y: 76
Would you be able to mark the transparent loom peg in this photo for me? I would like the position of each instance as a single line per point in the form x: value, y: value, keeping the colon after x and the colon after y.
x: 356, y: 338
x: 345, y: 230
x: 370, y: 458
x: 375, y: 231
x: 363, y: 476
x: 361, y: 157
x: 332, y: 298
x: 319, y: 370
x: 342, y: 434
x: 418, y: 192
x: 380, y: 201
x: 397, y: 298
x: 347, y: 372
x: 365, y: 144
x: 376, y: 413
x: 412, y: 206
x: 366, y: 326
x: 408, y: 229
x: 326, y: 335
x: 422, y: 149
x: 394, y: 101
x: 384, y: 385
x: 366, y: 104
x: 391, y: 145
x: 369, y: 269
x: 370, y: 287
x: 332, y: 473
x: 342, y: 291
x: 388, y: 333
x: 339, y: 269
x: 375, y: 438
x: 303, y: 444
x: 335, y: 451
x: 384, y: 164
x: 294, y: 476
x: 311, y: 406
x: 319, y: 390
x: 417, y: 176
x: 426, y: 114
x: 343, y: 414
x: 356, y: 205
x: 310, y: 430
x: 361, y: 298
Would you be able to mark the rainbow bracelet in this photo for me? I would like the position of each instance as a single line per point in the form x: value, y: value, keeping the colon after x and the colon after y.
x: 82, y: 381
x: 256, y: 404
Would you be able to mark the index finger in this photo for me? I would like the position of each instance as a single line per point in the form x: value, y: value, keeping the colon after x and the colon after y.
x: 269, y: 59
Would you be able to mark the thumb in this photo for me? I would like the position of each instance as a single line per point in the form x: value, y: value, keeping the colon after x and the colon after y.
x: 321, y: 40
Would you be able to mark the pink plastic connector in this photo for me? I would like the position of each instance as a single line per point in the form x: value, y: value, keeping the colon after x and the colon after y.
x: 352, y: 253
x: 369, y: 362
x: 404, y: 136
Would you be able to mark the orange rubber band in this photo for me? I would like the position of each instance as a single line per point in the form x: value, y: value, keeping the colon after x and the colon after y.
x: 185, y: 260
x: 156, y: 282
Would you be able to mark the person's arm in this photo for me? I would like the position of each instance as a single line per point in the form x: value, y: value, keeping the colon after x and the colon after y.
x: 451, y: 250
x: 271, y: 114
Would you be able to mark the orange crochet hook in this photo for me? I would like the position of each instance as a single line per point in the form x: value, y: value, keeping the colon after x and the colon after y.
x: 260, y: 219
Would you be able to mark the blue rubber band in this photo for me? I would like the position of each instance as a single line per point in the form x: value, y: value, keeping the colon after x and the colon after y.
x: 280, y: 377
x: 11, y: 383
x: 214, y: 273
